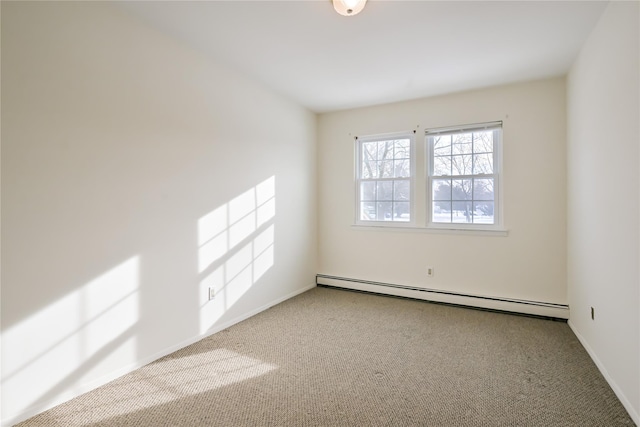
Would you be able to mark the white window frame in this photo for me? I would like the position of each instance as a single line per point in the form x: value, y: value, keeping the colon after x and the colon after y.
x: 359, y: 141
x: 496, y: 175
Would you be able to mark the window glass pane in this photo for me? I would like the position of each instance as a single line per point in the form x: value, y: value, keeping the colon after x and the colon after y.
x: 385, y: 169
x: 483, y: 189
x: 441, y: 212
x: 370, y: 151
x: 401, y: 211
x: 372, y: 167
x: 368, y: 190
x: 462, y: 143
x: 368, y: 211
x: 402, y: 149
x: 442, y: 165
x: 385, y: 190
x: 483, y: 163
x: 402, y: 168
x: 462, y: 164
x: 401, y: 190
x: 483, y: 142
x: 385, y: 210
x: 441, y: 145
x: 369, y: 169
x: 441, y: 189
x: 377, y: 169
x: 461, y: 189
x: 385, y: 150
x: 461, y: 212
x: 483, y: 213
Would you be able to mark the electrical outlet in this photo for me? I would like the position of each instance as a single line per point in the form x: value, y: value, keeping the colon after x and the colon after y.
x: 430, y: 271
x: 593, y: 314
x: 212, y: 293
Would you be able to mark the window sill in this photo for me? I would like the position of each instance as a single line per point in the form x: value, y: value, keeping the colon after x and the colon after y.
x: 496, y: 232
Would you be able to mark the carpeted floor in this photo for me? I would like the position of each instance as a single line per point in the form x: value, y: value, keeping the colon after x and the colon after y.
x: 331, y: 357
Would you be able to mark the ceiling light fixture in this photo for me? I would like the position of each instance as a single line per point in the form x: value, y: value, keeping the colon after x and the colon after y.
x: 349, y: 7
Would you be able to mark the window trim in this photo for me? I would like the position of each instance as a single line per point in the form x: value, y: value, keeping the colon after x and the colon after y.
x: 498, y: 224
x: 358, y: 142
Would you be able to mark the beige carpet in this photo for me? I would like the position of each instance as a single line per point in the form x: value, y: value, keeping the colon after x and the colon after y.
x: 336, y: 358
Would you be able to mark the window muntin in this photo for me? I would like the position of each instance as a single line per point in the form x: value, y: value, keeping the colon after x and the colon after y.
x: 385, y: 173
x: 463, y: 176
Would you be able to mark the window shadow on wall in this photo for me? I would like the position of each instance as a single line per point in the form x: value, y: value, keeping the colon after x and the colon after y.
x: 236, y: 248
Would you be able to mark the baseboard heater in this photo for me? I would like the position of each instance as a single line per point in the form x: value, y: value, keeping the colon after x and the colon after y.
x: 533, y: 308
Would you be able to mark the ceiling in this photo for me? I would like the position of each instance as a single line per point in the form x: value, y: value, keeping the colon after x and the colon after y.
x: 392, y: 51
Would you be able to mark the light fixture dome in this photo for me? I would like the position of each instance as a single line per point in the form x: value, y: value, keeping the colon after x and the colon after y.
x: 349, y: 7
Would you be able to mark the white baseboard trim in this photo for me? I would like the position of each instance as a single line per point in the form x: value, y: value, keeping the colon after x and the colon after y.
x: 623, y: 399
x: 536, y: 308
x: 86, y: 387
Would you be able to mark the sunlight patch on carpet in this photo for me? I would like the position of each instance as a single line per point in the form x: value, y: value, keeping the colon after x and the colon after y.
x: 167, y: 380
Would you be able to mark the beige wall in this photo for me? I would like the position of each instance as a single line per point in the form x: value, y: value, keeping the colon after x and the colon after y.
x: 136, y: 173
x: 529, y: 263
x: 604, y: 192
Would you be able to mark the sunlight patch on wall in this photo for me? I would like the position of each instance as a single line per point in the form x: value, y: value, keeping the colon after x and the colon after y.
x: 236, y: 248
x: 263, y: 252
x: 56, y: 348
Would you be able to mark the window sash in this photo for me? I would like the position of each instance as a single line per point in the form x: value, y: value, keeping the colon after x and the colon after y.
x: 388, y: 211
x: 472, y: 218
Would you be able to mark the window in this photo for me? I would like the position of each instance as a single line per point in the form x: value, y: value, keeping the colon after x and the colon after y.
x: 464, y: 176
x: 384, y: 179
x: 455, y: 184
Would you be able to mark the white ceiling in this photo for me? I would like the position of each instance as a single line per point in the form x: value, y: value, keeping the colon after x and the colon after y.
x: 392, y: 51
